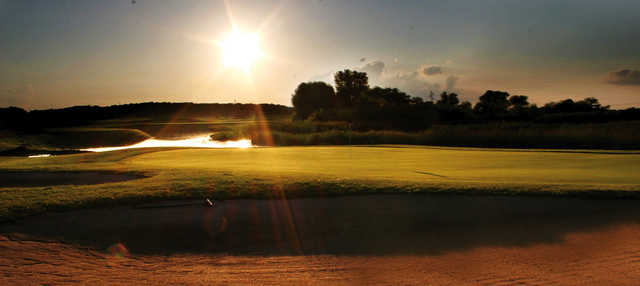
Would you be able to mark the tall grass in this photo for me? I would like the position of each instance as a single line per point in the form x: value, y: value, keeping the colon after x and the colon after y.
x: 570, y: 136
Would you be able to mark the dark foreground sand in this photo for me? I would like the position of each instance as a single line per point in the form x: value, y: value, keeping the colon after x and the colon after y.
x: 394, y: 240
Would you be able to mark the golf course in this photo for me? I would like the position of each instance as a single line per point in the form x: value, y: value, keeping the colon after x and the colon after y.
x: 148, y: 174
x: 338, y: 215
x: 364, y: 142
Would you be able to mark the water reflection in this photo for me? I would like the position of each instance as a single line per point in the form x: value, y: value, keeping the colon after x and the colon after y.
x: 197, y: 142
x: 39, y: 156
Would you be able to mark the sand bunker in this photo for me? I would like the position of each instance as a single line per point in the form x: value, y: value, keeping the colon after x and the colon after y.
x: 53, y: 178
x: 361, y: 225
x: 369, y: 240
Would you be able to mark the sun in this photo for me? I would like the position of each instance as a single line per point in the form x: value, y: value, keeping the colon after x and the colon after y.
x: 241, y: 50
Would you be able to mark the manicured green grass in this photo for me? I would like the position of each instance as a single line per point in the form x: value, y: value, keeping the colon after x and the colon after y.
x: 328, y: 170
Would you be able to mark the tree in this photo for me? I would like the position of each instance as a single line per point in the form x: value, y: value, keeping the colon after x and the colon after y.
x: 564, y: 106
x: 415, y: 100
x: 387, y: 96
x: 13, y: 117
x: 520, y: 108
x: 350, y: 85
x: 450, y: 109
x: 464, y: 111
x: 590, y: 104
x: 518, y: 101
x: 312, y: 96
x: 493, y: 104
x: 448, y: 99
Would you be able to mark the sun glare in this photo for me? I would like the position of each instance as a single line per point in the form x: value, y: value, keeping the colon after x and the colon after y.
x: 241, y: 50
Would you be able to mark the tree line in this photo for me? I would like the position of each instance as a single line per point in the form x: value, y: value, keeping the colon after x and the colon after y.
x: 18, y: 118
x: 355, y: 102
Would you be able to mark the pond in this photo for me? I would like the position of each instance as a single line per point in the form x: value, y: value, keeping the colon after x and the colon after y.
x: 196, y: 142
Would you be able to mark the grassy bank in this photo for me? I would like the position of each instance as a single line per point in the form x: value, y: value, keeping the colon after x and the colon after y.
x: 323, y: 171
x: 71, y: 138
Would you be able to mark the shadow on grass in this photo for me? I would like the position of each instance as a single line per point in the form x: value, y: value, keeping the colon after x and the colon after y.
x: 350, y: 225
x: 18, y: 178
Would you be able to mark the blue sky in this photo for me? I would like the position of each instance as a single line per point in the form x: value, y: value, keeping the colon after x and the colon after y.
x: 62, y: 53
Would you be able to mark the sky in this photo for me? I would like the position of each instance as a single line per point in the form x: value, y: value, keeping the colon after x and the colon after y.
x: 58, y: 53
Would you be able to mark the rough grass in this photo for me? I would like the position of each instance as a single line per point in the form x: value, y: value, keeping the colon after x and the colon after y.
x: 612, y: 136
x: 323, y: 171
x: 618, y: 135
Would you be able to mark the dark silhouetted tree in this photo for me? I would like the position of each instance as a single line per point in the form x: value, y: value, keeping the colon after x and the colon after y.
x: 520, y: 108
x: 450, y: 109
x: 493, y: 104
x: 448, y: 99
x: 518, y: 101
x: 591, y: 104
x: 465, y: 107
x: 350, y: 85
x: 416, y: 100
x: 312, y: 96
x: 13, y: 117
x: 387, y: 96
x: 564, y: 106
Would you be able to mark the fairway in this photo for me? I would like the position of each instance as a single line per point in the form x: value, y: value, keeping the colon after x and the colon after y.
x: 320, y: 171
x: 405, y: 164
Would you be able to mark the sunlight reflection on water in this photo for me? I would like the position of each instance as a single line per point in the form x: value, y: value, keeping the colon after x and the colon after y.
x: 39, y: 156
x: 197, y: 142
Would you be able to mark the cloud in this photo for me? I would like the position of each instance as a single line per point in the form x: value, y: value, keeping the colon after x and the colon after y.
x: 432, y: 70
x: 373, y: 69
x: 415, y: 82
x: 625, y: 77
x: 451, y: 82
x: 412, y: 83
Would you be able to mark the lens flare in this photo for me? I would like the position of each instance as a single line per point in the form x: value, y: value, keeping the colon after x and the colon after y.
x: 118, y: 250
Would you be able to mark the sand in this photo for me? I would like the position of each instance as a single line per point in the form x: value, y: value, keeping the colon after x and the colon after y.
x: 371, y: 240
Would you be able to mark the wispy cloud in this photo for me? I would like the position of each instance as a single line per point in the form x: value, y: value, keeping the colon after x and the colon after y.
x: 432, y: 70
x: 373, y: 69
x: 420, y: 82
x: 451, y: 82
x: 624, y: 77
